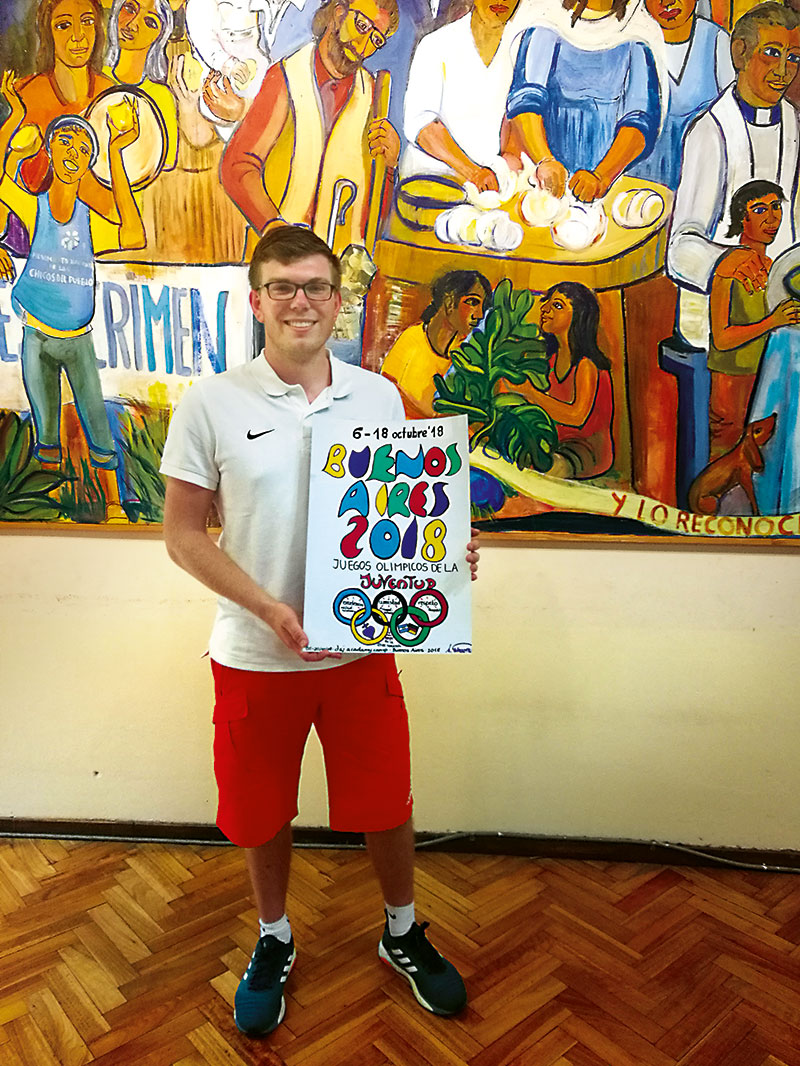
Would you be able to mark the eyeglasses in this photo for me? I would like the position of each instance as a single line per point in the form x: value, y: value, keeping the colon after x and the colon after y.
x: 367, y: 26
x: 316, y: 289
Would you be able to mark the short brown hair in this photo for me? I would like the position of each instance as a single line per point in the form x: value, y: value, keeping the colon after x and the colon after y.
x: 753, y: 190
x: 287, y: 244
x: 767, y: 14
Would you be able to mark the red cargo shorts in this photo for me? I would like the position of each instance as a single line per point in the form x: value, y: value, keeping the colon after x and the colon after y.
x: 261, y: 724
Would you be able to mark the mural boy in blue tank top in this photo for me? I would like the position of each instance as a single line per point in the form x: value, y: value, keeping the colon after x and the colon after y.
x: 55, y: 293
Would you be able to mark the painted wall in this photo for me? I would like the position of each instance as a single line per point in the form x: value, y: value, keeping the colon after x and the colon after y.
x: 492, y: 176
x: 613, y: 693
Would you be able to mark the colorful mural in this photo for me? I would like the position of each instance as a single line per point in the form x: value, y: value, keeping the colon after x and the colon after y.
x: 573, y: 222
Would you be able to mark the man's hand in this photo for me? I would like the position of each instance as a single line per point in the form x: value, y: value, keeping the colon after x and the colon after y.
x: 221, y: 100
x: 747, y: 266
x: 588, y: 186
x: 472, y: 553
x: 552, y: 176
x: 383, y: 140
x: 284, y: 621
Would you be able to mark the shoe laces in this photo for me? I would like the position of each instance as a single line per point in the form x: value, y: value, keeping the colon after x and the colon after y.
x: 268, y: 963
x: 427, y: 954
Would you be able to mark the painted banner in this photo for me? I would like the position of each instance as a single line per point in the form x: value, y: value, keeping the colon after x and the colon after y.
x: 152, y: 325
x: 388, y: 528
x: 631, y: 511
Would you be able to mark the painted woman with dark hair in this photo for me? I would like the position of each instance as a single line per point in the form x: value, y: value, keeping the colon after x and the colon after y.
x: 458, y: 302
x: 580, y: 399
x: 740, y: 322
x: 68, y: 78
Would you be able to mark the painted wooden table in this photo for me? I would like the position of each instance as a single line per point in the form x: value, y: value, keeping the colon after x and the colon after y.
x: 408, y: 261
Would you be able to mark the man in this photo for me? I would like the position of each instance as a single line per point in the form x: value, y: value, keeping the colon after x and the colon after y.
x: 288, y: 27
x: 750, y: 133
x: 308, y: 126
x: 242, y: 439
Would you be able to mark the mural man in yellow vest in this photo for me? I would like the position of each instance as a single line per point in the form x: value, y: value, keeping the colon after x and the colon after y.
x: 312, y: 132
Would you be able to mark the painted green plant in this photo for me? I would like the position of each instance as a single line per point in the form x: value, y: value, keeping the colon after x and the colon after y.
x: 505, y: 349
x: 25, y: 486
x: 144, y: 432
x: 83, y: 498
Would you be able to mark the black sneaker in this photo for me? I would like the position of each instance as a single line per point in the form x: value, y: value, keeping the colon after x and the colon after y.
x: 436, y: 982
x: 258, y: 1006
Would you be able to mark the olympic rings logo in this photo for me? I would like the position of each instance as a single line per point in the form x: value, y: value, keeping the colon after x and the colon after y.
x: 408, y: 622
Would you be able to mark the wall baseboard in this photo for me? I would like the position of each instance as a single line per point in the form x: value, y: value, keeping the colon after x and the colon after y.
x: 659, y: 852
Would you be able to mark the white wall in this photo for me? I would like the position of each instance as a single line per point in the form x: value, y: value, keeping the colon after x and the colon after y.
x: 614, y: 692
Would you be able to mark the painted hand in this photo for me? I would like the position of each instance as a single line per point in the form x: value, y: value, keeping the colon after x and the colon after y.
x: 239, y: 73
x: 123, y: 123
x: 383, y: 140
x: 176, y: 79
x: 747, y: 266
x: 587, y: 185
x: 221, y: 100
x: 552, y: 176
x: 7, y: 271
x: 26, y: 142
x: 472, y: 553
x: 786, y: 314
x: 8, y: 90
x: 484, y: 179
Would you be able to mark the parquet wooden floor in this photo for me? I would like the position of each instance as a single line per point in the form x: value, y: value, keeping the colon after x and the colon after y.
x: 129, y: 955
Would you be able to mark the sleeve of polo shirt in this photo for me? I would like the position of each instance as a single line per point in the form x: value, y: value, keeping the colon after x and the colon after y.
x: 395, y: 412
x: 190, y: 448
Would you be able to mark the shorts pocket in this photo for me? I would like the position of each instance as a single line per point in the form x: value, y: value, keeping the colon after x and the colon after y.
x: 230, y: 694
x: 393, y: 685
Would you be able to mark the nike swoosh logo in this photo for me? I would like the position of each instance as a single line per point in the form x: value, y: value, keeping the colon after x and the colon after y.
x: 252, y: 436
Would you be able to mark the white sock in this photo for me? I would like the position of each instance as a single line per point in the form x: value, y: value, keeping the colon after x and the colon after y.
x: 280, y: 929
x: 400, y: 919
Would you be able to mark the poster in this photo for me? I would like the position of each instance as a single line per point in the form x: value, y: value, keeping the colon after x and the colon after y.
x: 387, y: 534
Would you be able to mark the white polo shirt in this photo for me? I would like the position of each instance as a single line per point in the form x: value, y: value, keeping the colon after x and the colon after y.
x: 247, y: 434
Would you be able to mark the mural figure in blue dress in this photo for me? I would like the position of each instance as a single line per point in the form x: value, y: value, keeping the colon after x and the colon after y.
x: 589, y: 94
x: 700, y: 67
